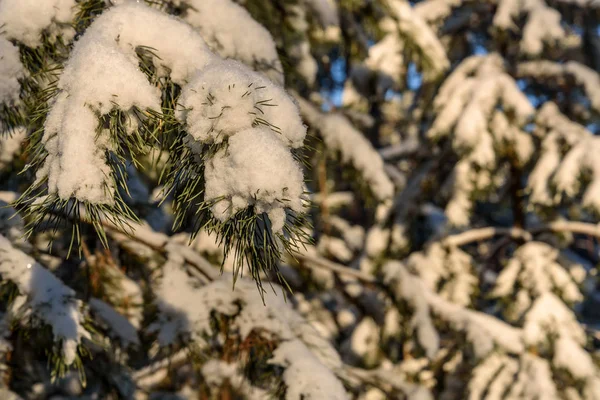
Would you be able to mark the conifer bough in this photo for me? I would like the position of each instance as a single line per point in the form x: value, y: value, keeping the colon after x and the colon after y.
x: 126, y: 89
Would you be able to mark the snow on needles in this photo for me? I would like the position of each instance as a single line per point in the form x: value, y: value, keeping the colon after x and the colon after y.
x: 227, y: 97
x: 245, y: 40
x: 228, y: 101
x: 271, y: 182
x: 467, y: 112
x: 49, y: 300
x: 570, y: 153
x: 221, y: 101
x: 186, y: 311
x: 25, y: 20
x: 11, y: 70
x: 102, y: 73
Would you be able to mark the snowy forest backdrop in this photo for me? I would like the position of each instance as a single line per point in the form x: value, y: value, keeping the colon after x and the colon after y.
x: 299, y: 199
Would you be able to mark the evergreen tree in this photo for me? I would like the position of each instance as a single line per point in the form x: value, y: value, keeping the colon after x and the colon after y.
x: 299, y: 199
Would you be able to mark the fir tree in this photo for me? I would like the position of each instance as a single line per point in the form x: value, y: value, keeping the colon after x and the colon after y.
x: 299, y: 199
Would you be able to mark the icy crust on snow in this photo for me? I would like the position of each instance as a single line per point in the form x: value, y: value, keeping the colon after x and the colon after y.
x: 559, y: 174
x: 101, y: 74
x: 227, y: 97
x: 25, y: 20
x: 185, y: 311
x: 44, y: 297
x: 245, y: 40
x: 11, y: 70
x: 237, y: 177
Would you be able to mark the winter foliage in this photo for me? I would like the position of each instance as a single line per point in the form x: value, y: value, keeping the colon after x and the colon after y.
x: 299, y: 199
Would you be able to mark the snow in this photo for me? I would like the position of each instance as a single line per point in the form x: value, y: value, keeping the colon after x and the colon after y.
x: 236, y: 178
x: 466, y: 103
x: 543, y: 25
x: 334, y: 247
x: 410, y: 288
x: 466, y: 111
x: 569, y: 355
x: 10, y: 144
x: 117, y: 323
x: 354, y: 235
x: 364, y: 341
x: 223, y: 100
x: 226, y: 97
x: 216, y: 372
x: 435, y: 10
x: 448, y: 271
x: 558, y: 173
x: 414, y: 27
x: 325, y: 11
x: 25, y: 20
x: 484, y: 373
x: 587, y: 78
x: 550, y: 314
x: 304, y: 376
x: 46, y: 296
x: 341, y: 136
x: 186, y: 310
x: 534, y: 268
x: 245, y: 40
x: 101, y: 72
x: 11, y: 70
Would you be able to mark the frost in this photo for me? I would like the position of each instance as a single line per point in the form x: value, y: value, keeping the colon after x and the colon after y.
x: 49, y: 300
x: 25, y: 20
